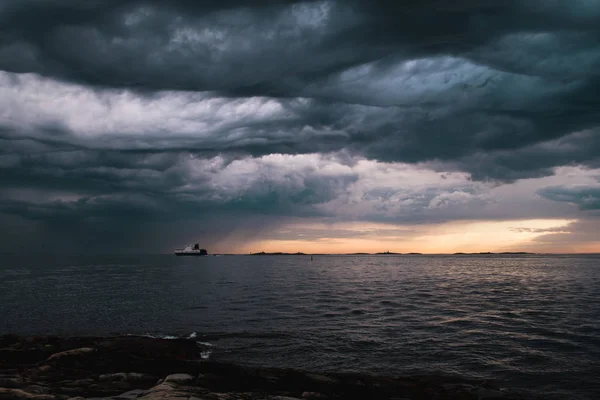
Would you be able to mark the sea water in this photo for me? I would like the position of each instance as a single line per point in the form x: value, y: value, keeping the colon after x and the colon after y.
x: 527, y: 321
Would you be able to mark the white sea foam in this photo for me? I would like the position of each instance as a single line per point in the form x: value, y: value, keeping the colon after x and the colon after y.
x: 170, y: 337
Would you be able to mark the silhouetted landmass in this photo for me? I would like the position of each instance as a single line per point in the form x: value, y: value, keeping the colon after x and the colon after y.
x: 262, y: 253
x: 490, y: 253
x: 484, y: 253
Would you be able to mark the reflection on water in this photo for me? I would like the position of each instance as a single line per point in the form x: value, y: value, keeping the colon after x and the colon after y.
x: 532, y: 321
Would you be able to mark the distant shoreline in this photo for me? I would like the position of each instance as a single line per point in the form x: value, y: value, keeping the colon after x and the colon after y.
x: 262, y: 253
x: 46, y: 254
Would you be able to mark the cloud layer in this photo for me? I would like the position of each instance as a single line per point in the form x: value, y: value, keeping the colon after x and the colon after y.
x: 403, y: 113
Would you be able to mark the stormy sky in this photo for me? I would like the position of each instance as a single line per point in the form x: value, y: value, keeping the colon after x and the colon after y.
x: 317, y: 126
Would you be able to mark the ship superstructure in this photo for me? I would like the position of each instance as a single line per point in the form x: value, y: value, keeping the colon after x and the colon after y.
x: 191, y: 250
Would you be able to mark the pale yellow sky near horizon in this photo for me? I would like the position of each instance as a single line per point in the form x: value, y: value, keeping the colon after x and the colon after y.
x: 464, y: 236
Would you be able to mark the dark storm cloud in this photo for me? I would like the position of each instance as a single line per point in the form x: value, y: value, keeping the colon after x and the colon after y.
x: 96, y: 235
x: 110, y: 201
x: 536, y: 160
x: 127, y: 187
x: 585, y: 197
x: 464, y: 83
x: 120, y: 116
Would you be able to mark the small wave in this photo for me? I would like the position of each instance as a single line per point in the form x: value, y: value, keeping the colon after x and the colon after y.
x: 153, y: 336
x: 246, y: 335
x: 205, y: 354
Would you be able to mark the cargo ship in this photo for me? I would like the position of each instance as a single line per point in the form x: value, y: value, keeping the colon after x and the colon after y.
x: 191, y: 250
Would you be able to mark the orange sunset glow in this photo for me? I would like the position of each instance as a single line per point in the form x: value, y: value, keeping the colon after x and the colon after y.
x: 496, y: 236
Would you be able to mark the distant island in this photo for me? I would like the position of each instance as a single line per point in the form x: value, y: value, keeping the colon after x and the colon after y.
x: 489, y: 253
x: 263, y: 253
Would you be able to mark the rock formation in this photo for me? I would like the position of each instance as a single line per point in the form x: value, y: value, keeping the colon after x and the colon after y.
x: 128, y: 367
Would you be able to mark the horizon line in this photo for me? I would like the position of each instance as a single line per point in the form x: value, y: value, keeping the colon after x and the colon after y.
x: 308, y: 254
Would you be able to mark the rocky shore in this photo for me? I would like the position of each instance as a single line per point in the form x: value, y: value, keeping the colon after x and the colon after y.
x: 131, y: 367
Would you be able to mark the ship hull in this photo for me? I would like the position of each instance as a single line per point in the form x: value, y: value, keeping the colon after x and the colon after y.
x: 193, y: 250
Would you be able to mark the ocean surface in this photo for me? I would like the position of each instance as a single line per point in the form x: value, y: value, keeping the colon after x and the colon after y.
x: 527, y: 321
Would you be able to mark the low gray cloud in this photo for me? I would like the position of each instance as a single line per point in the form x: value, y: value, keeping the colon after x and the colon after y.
x: 579, y: 236
x: 540, y: 230
x: 585, y: 197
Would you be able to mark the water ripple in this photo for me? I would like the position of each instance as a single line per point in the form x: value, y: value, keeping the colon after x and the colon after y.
x: 530, y: 321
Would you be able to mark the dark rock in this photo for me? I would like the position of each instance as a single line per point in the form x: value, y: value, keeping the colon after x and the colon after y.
x: 313, y: 396
x: 11, y: 381
x: 18, y: 394
x: 150, y: 348
x: 21, y: 356
x: 179, y: 378
x: 71, y: 354
x: 164, y: 391
x: 9, y: 340
x: 129, y: 367
x: 322, y: 378
x: 128, y: 377
x: 37, y: 389
x: 77, y: 383
x: 130, y: 395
